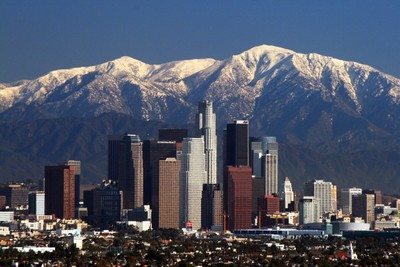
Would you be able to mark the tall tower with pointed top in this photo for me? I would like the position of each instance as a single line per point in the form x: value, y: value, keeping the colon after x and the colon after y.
x: 206, y: 127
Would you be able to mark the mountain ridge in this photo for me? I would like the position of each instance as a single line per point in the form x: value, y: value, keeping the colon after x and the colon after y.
x: 328, y: 107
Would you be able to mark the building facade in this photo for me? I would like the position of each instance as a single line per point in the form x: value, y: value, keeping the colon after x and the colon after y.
x: 267, y: 205
x: 364, y: 206
x: 218, y: 211
x: 104, y: 205
x: 323, y: 191
x: 258, y: 189
x: 77, y: 165
x: 211, y: 209
x: 288, y: 195
x: 236, y: 140
x: 206, y: 128
x: 236, y: 151
x: 167, y: 214
x: 16, y: 195
x: 240, y: 197
x: 192, y: 177
x: 376, y: 193
x: 309, y: 210
x: 125, y: 165
x: 60, y: 191
x: 347, y: 197
x: 172, y: 134
x: 270, y: 164
x: 36, y: 203
x: 264, y: 162
x: 153, y: 152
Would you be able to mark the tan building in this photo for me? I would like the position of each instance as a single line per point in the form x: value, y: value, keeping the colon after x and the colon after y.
x: 218, y: 211
x: 168, y: 213
x: 364, y: 206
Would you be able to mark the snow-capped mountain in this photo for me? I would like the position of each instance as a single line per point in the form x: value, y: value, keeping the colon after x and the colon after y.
x: 334, y: 119
x: 276, y: 88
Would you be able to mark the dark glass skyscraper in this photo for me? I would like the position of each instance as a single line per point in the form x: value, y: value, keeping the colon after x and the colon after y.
x: 236, y: 151
x: 171, y: 134
x: 207, y: 205
x: 153, y: 152
x: 125, y: 165
x: 236, y: 144
x: 60, y: 191
x: 103, y: 204
x: 16, y: 195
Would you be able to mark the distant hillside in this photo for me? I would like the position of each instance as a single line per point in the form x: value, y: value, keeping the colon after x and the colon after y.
x: 26, y: 147
x: 334, y: 119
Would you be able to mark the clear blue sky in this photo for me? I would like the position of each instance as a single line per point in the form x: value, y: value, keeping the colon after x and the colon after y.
x: 39, y: 36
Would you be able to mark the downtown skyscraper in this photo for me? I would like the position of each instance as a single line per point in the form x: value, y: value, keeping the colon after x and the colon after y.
x: 236, y: 144
x: 237, y: 181
x: 347, y: 199
x: 153, y: 154
x: 206, y: 128
x: 77, y: 165
x: 192, y: 177
x: 324, y: 193
x: 60, y: 191
x: 167, y: 215
x: 264, y: 158
x: 125, y: 165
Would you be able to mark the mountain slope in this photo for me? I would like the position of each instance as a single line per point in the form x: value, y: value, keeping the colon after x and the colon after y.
x: 247, y: 85
x: 26, y: 147
x: 340, y: 117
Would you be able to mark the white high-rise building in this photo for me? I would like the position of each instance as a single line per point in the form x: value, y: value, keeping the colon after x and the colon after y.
x: 192, y: 177
x: 346, y: 198
x: 206, y: 128
x: 323, y: 191
x: 309, y: 210
x: 36, y: 202
x: 288, y: 195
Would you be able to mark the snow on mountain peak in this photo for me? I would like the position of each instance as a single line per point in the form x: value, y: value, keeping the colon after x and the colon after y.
x: 178, y: 70
x: 237, y: 83
x: 125, y: 66
x: 260, y: 59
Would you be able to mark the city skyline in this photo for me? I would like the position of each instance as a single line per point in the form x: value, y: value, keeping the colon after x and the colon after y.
x: 313, y: 121
x: 199, y: 132
x: 122, y: 197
